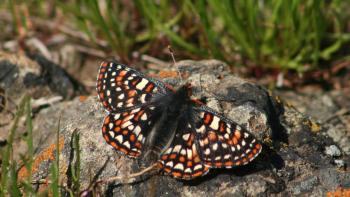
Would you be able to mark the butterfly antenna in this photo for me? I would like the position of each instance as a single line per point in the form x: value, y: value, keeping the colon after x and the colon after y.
x: 173, y: 57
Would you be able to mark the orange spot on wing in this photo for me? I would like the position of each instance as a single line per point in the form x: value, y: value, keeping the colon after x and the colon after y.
x: 118, y: 122
x: 100, y: 76
x: 177, y: 174
x: 122, y: 73
x: 138, y: 145
x: 218, y: 164
x: 228, y: 163
x: 207, y: 118
x: 238, y: 134
x: 212, y: 136
x: 125, y: 132
x: 131, y: 100
x: 137, y: 116
x: 102, y: 96
x: 104, y: 64
x: 250, y: 156
x: 189, y: 164
x: 149, y: 87
x: 164, y: 157
x: 132, y: 93
x: 123, y: 150
x: 117, y: 129
x: 106, y: 138
x: 182, y: 159
x: 258, y: 146
x: 119, y: 78
x: 222, y: 127
x: 167, y: 169
x: 234, y: 140
x: 113, y: 144
x: 132, y: 138
x: 172, y: 156
x: 134, y: 82
x: 199, y: 173
x: 107, y: 119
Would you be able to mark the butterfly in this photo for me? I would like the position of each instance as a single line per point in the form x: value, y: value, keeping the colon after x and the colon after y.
x: 188, y: 137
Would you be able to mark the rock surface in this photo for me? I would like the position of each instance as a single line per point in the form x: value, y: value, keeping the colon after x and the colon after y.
x: 296, y: 158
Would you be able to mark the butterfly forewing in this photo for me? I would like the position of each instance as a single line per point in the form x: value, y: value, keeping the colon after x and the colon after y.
x: 121, y: 88
x: 222, y: 142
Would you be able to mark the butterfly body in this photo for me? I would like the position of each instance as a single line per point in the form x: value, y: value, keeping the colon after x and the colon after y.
x: 149, y: 120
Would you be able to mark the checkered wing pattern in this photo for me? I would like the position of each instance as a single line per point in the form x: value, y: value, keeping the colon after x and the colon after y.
x: 121, y: 88
x: 127, y: 94
x: 125, y: 131
x: 182, y: 159
x: 223, y: 143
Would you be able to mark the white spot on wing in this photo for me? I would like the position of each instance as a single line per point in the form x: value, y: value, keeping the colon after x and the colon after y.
x: 179, y: 166
x: 119, y: 138
x: 142, y: 84
x: 177, y: 148
x: 189, y: 153
x: 127, y: 144
x: 121, y: 96
x: 215, y: 146
x: 197, y: 167
x: 116, y: 116
x: 170, y: 164
x: 215, y: 123
x: 186, y: 136
x: 144, y: 116
x: 201, y: 129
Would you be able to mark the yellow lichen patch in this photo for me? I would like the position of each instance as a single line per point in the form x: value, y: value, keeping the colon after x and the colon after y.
x: 45, y: 155
x: 314, y: 127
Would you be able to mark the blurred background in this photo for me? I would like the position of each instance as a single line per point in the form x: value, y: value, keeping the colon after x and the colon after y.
x: 287, y: 43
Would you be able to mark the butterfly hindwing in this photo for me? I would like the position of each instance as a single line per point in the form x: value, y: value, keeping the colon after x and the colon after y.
x: 120, y: 87
x: 125, y: 131
x: 222, y: 142
x: 182, y: 160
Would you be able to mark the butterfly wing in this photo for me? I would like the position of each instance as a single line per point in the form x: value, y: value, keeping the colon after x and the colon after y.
x: 223, y: 143
x: 127, y: 94
x: 181, y: 159
x: 126, y: 131
x: 121, y: 88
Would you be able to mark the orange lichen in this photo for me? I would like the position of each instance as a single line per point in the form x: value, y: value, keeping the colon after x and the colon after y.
x: 340, y: 192
x: 82, y: 98
x: 46, y: 155
x: 166, y: 74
